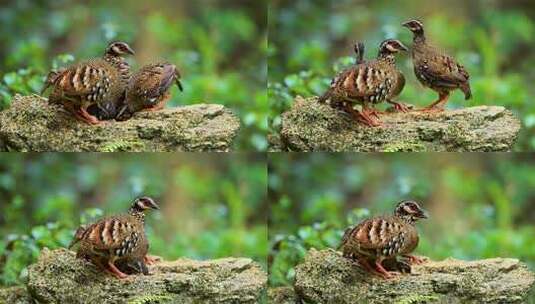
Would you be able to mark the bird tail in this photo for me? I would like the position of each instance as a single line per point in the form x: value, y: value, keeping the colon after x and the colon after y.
x: 325, y: 97
x: 359, y: 52
x: 465, y: 87
x: 77, y: 236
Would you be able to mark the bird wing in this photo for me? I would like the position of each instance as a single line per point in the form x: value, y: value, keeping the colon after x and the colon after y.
x: 377, y: 233
x: 443, y: 70
x: 365, y: 79
x: 110, y: 233
x: 89, y: 78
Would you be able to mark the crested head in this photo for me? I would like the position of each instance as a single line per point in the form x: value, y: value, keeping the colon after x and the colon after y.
x: 409, y: 211
x: 390, y: 47
x: 416, y: 27
x: 118, y: 48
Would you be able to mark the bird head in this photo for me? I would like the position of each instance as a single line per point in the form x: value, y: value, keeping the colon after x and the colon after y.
x: 391, y: 46
x: 119, y: 48
x: 415, y: 26
x: 144, y: 203
x: 410, y: 211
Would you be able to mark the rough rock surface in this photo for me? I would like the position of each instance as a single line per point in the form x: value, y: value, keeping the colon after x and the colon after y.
x: 58, y: 277
x: 327, y: 277
x: 311, y: 126
x: 32, y: 124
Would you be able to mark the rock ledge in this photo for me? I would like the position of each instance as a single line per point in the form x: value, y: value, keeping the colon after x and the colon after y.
x: 58, y: 277
x: 327, y: 277
x: 32, y: 124
x: 310, y: 126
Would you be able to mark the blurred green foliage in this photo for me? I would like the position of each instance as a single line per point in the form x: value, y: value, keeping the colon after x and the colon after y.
x: 220, y: 48
x: 209, y: 203
x: 310, y: 41
x: 480, y: 205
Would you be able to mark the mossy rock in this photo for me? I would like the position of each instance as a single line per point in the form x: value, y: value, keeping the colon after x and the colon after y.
x: 58, y: 277
x: 311, y: 126
x: 327, y: 277
x: 32, y: 124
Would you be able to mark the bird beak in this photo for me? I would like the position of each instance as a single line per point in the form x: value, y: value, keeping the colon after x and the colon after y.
x: 129, y: 50
x: 403, y: 48
x: 405, y: 24
x: 423, y: 215
x: 179, y: 84
x: 155, y: 206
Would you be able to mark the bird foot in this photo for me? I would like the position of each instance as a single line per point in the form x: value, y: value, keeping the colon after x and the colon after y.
x: 400, y: 107
x: 415, y: 260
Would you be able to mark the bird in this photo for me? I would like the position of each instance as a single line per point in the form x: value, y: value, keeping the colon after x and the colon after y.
x: 359, y: 52
x: 97, y: 82
x: 117, y: 240
x: 435, y: 69
x: 148, y: 89
x: 383, y: 238
x: 367, y: 82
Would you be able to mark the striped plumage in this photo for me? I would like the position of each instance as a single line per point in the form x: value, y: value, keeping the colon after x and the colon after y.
x: 383, y: 238
x: 148, y: 89
x: 436, y: 70
x: 118, y: 239
x: 368, y: 82
x: 100, y: 82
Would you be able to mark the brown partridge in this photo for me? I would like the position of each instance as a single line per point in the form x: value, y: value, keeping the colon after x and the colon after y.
x: 148, y: 89
x: 117, y: 240
x: 369, y: 82
x: 99, y: 82
x: 384, y: 238
x: 436, y: 70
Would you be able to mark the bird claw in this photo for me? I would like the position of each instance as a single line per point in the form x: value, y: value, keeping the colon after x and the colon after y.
x: 415, y: 260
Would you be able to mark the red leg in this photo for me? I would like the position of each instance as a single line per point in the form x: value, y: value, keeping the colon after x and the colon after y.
x: 362, y: 117
x: 415, y: 260
x: 116, y: 272
x: 366, y: 265
x: 382, y: 272
x: 438, y: 105
x: 82, y: 114
x: 399, y: 107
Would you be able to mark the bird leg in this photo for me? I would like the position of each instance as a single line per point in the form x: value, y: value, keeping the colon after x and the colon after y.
x: 415, y: 260
x: 362, y: 117
x: 115, y: 271
x: 398, y: 106
x: 382, y: 272
x: 82, y: 114
x: 365, y: 264
x: 437, y: 106
x: 151, y: 259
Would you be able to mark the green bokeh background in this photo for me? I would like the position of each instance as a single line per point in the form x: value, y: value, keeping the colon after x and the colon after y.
x: 219, y: 47
x: 480, y: 205
x: 309, y: 41
x: 211, y: 205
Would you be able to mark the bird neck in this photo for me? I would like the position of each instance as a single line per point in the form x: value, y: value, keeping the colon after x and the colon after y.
x: 419, y: 37
x: 138, y: 215
x: 119, y: 63
x: 407, y: 219
x: 387, y: 57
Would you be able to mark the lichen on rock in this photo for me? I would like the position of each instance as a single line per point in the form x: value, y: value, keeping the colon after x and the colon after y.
x: 311, y: 126
x: 32, y: 124
x: 59, y: 277
x: 327, y: 277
